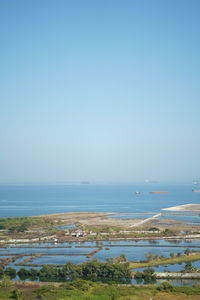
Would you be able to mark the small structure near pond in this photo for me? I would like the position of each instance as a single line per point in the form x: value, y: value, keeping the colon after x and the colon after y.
x: 79, y: 233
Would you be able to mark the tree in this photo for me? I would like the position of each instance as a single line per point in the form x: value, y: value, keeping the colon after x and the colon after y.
x: 83, y: 285
x: 17, y: 294
x: 23, y: 274
x: 122, y: 258
x: 5, y: 281
x: 165, y: 286
x: 10, y: 272
x: 12, y: 229
x: 71, y: 271
x: 151, y: 256
x: 149, y: 275
x: 154, y: 229
x: 187, y: 251
x: 23, y: 227
x: 179, y: 254
x: 189, y: 267
x: 50, y: 274
x: 138, y: 277
x: 1, y: 271
x: 33, y: 274
x: 167, y: 232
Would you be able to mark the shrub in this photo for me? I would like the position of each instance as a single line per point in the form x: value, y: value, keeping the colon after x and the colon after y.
x: 154, y: 229
x: 166, y: 286
x: 10, y: 272
x: 138, y: 275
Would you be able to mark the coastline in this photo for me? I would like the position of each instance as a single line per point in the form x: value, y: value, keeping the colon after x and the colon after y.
x: 185, y: 207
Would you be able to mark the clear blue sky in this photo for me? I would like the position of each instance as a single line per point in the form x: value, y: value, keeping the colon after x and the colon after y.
x: 99, y: 90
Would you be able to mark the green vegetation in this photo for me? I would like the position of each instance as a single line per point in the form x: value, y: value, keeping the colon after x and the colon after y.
x: 22, y: 224
x: 164, y: 261
x: 154, y: 229
x: 120, y: 232
x: 146, y: 277
x: 92, y: 270
x: 87, y: 290
x: 189, y: 267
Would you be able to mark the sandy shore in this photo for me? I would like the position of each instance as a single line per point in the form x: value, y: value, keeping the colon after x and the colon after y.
x: 186, y: 207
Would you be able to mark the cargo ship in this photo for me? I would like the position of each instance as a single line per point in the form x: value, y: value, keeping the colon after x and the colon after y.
x: 196, y: 191
x: 159, y: 192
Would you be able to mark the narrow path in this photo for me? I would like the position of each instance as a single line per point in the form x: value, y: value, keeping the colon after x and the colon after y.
x: 146, y: 220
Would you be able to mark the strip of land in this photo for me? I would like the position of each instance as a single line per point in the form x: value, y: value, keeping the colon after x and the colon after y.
x: 165, y: 261
x: 95, y: 226
x: 185, y: 207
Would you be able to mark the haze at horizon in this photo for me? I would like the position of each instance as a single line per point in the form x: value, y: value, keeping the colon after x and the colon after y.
x: 99, y: 91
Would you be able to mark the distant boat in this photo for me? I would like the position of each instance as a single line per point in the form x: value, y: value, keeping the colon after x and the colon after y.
x: 137, y: 193
x: 196, y: 191
x: 196, y: 182
x: 159, y: 192
x: 85, y: 182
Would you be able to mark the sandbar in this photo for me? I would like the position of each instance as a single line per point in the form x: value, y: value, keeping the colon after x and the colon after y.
x: 185, y: 207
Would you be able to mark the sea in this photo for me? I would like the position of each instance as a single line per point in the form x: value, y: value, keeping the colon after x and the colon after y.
x: 125, y: 199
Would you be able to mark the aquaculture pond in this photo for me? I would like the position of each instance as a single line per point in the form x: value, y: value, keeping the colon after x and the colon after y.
x: 164, y: 242
x: 57, y: 260
x: 76, y: 252
x: 48, y: 250
x: 171, y: 268
x: 135, y: 253
x: 134, y: 250
x: 71, y: 226
x: 156, y: 242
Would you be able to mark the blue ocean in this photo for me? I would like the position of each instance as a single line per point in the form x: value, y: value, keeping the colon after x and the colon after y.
x: 28, y: 200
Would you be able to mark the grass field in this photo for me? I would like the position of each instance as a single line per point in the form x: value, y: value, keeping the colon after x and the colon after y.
x: 86, y: 290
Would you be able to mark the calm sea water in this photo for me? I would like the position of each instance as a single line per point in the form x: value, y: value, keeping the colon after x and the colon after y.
x: 26, y: 200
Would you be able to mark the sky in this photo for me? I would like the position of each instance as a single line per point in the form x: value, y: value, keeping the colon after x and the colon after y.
x: 104, y: 91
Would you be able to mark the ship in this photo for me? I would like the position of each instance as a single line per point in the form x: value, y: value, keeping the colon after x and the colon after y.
x: 196, y: 191
x: 196, y: 182
x: 159, y: 192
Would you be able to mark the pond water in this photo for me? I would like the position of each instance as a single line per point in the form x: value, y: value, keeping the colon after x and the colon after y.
x: 171, y: 268
x: 66, y: 244
x: 182, y: 216
x: 109, y: 249
x: 179, y: 216
x: 18, y: 260
x: 135, y: 253
x: 49, y: 250
x: 181, y: 242
x: 71, y: 226
x: 175, y: 282
x: 132, y: 253
x: 53, y: 260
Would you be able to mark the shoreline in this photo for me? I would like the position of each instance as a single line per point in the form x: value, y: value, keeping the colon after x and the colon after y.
x: 184, y: 207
